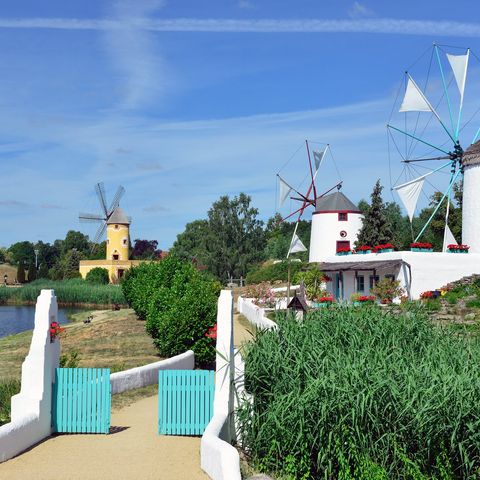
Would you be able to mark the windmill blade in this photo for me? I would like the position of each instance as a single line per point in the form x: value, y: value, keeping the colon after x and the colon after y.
x: 100, y: 232
x: 116, y: 200
x: 90, y: 218
x: 100, y: 191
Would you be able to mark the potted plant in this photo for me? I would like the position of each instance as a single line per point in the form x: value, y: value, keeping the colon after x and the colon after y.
x: 364, y: 249
x: 358, y: 299
x: 421, y: 247
x: 387, y: 289
x: 383, y: 248
x: 324, y: 301
x: 344, y: 251
x: 452, y: 248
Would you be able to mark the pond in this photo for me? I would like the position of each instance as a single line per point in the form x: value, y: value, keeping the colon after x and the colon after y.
x: 16, y: 319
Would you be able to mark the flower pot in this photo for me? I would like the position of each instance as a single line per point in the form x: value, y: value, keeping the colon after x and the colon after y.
x: 413, y: 249
x: 344, y: 253
x: 356, y: 304
x: 323, y: 304
x: 363, y: 252
x: 457, y: 251
x: 385, y: 250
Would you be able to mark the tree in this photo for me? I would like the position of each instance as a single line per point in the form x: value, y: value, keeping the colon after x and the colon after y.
x: 98, y: 251
x: 72, y: 263
x: 235, y: 237
x: 279, y: 236
x: 98, y: 276
x: 22, y: 252
x: 145, y: 249
x: 48, y: 254
x: 376, y: 228
x: 3, y: 255
x: 43, y: 271
x: 21, y: 273
x: 77, y: 240
x: 228, y: 242
x: 32, y: 272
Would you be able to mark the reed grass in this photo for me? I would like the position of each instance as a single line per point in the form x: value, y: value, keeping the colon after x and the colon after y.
x: 8, y: 388
x: 355, y: 393
x: 68, y: 292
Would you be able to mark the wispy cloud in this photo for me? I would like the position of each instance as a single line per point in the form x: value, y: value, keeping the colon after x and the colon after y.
x: 149, y: 166
x: 137, y: 24
x: 359, y: 10
x: 131, y: 49
x: 13, y: 203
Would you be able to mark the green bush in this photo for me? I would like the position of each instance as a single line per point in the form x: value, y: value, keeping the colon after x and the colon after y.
x: 273, y: 272
x: 362, y: 393
x: 8, y: 388
x: 98, y: 276
x: 179, y: 304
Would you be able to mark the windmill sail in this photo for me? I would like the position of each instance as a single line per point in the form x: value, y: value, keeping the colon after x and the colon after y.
x: 285, y: 190
x: 448, y: 239
x: 318, y: 157
x: 459, y: 64
x: 414, y: 100
x: 409, y: 193
x: 296, y: 245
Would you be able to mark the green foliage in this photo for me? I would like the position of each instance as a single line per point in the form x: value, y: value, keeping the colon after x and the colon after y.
x: 22, y: 252
x: 387, y: 289
x: 376, y: 228
x: 228, y: 242
x: 179, y: 303
x: 145, y: 249
x: 42, y: 271
x: 69, y: 359
x: 98, y: 276
x: 272, y: 272
x: 313, y: 279
x: 21, y: 273
x: 279, y: 235
x: 32, y: 272
x: 362, y: 394
x: 72, y: 292
x: 75, y: 240
x: 8, y: 388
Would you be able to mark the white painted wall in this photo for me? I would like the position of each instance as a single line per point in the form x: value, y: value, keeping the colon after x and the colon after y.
x: 471, y: 208
x: 219, y: 459
x: 148, y: 374
x: 254, y: 314
x: 325, y: 232
x: 31, y: 408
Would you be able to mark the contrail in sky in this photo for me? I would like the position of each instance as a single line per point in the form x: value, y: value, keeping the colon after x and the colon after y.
x: 378, y: 25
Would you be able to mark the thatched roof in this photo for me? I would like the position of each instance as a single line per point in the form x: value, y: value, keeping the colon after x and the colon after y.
x: 118, y: 216
x: 335, y: 202
x: 471, y: 155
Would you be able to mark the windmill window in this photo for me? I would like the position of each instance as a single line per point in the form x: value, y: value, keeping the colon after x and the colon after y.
x: 342, y: 216
x: 125, y: 241
x: 108, y: 241
x: 116, y: 227
x: 115, y: 256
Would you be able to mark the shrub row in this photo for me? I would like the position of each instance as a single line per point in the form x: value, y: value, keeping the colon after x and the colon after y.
x: 179, y: 304
x: 273, y: 272
x: 360, y: 393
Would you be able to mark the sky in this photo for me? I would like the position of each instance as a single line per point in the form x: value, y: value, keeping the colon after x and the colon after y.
x: 184, y: 101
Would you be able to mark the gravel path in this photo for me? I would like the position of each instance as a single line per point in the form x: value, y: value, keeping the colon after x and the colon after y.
x: 135, y: 451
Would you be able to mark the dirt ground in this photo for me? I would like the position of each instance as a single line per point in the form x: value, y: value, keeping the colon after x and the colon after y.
x: 133, y: 451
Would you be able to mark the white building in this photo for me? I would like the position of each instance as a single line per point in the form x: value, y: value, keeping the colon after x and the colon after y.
x: 417, y: 271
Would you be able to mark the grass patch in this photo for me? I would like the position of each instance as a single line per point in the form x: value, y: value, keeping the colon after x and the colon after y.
x: 68, y: 292
x: 121, y: 400
x: 363, y: 393
x: 8, y: 388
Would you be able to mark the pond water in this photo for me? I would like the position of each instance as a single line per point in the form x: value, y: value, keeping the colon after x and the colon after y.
x: 16, y: 319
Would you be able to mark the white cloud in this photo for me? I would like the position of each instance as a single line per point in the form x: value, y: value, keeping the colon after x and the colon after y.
x: 131, y: 48
x: 377, y: 25
x: 359, y: 10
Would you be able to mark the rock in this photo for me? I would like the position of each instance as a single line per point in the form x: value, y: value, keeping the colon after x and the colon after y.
x: 469, y: 316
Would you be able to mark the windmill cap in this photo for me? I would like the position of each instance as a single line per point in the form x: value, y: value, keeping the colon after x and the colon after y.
x: 335, y: 202
x: 118, y: 216
x: 471, y: 155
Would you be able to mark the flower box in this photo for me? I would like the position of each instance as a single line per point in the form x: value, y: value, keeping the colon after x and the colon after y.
x: 414, y: 249
x: 363, y: 252
x: 421, y: 247
x: 341, y: 253
x: 364, y: 249
x: 385, y: 248
x: 458, y: 248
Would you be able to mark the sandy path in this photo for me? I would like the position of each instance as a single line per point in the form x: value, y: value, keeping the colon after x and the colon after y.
x: 241, y: 330
x: 137, y: 452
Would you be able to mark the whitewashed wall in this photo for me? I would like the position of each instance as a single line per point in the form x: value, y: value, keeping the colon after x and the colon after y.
x: 471, y: 208
x: 254, y: 314
x: 219, y: 459
x: 148, y: 374
x: 31, y: 408
x: 326, y: 230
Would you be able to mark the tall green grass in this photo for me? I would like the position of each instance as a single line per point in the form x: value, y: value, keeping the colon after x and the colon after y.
x: 358, y: 393
x: 8, y: 388
x: 72, y: 292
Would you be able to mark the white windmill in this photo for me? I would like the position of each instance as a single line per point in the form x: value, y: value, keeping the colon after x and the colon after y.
x: 441, y: 98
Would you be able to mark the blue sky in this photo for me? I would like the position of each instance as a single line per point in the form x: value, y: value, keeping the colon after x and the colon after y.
x: 183, y: 101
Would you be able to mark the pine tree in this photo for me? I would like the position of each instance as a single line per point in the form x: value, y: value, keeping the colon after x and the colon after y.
x: 32, y: 272
x: 42, y: 271
x: 376, y: 228
x: 72, y: 264
x: 21, y: 273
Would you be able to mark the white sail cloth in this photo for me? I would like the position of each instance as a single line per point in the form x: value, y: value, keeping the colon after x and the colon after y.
x: 296, y: 245
x: 414, y: 100
x: 285, y: 190
x: 459, y: 64
x: 448, y: 239
x: 409, y: 193
x: 318, y: 158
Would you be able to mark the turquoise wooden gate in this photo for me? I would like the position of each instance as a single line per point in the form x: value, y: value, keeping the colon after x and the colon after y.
x: 82, y: 400
x: 185, y: 401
